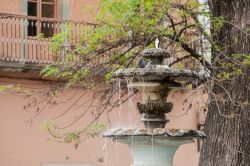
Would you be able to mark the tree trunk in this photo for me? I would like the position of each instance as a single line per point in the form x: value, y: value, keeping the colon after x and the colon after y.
x: 227, y: 125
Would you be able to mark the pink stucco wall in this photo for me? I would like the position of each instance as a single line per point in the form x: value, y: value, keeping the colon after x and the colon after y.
x: 10, y: 6
x: 83, y: 10
x: 79, y: 10
x: 24, y: 144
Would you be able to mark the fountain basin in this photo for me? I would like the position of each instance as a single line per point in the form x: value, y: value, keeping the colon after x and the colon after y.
x: 174, y: 133
x: 161, y: 74
x: 154, y: 147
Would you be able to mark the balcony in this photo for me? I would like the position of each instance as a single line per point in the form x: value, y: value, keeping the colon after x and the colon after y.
x: 25, y: 42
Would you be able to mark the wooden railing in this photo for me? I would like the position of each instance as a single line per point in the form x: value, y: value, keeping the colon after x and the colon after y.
x: 28, y: 39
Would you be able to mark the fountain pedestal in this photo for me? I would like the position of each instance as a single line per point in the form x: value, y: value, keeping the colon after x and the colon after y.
x: 154, y: 106
x: 150, y: 151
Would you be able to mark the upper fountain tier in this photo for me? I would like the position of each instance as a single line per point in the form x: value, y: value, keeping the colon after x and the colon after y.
x: 156, y: 55
x: 155, y: 79
x: 156, y: 71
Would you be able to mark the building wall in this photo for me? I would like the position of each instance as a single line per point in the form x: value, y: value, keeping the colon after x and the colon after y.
x: 24, y: 144
x: 10, y: 6
x: 77, y: 10
x: 81, y: 9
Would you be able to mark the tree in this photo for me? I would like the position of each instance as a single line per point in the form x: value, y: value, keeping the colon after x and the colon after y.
x: 227, y: 123
x: 123, y: 30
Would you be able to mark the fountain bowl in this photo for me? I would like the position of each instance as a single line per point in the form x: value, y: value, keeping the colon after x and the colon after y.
x: 154, y: 147
x: 160, y: 132
x: 161, y: 74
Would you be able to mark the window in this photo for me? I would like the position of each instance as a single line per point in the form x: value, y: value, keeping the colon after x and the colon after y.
x: 45, y: 9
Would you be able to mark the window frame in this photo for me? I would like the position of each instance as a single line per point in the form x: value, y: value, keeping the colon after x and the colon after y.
x: 39, y: 4
x: 39, y: 7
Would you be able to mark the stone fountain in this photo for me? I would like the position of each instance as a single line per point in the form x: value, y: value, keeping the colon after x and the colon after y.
x: 154, y: 145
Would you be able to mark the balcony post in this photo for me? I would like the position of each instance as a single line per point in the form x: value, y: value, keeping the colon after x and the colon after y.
x: 23, y: 31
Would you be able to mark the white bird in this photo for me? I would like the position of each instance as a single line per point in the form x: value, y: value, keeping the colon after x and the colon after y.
x: 157, y: 43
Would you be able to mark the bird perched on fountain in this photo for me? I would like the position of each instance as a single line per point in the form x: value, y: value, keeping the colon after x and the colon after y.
x: 157, y: 42
x: 142, y: 63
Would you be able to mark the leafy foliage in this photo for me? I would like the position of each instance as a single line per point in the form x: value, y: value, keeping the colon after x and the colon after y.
x: 122, y: 31
x: 15, y: 88
x: 5, y: 87
x: 49, y: 70
x: 95, y: 129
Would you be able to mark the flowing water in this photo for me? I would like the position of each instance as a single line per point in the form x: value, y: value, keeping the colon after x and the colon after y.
x: 119, y: 95
x: 131, y: 111
x: 141, y: 80
x: 152, y: 149
x: 116, y: 151
x: 106, y: 151
x: 118, y: 91
x: 127, y: 118
x: 129, y: 81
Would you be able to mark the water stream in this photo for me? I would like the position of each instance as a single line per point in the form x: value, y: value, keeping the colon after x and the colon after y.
x: 152, y: 148
x: 119, y: 95
x: 141, y: 80
x: 116, y: 151
x: 131, y: 123
x: 106, y: 151
x: 129, y: 81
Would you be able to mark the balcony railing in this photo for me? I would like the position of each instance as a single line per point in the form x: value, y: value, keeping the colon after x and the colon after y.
x: 28, y: 39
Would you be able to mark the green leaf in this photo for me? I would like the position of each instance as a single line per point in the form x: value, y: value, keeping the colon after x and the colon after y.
x: 49, y: 70
x: 95, y: 129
